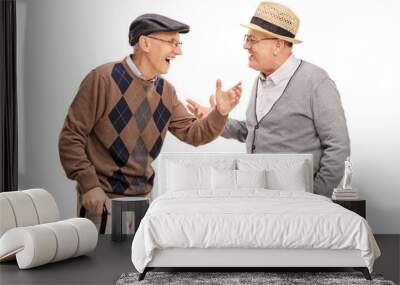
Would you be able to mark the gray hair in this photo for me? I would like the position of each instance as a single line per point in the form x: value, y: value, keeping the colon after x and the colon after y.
x: 136, y: 47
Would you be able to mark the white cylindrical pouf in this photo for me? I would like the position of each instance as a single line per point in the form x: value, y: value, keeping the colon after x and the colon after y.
x: 46, y: 206
x: 23, y: 208
x: 7, y: 218
x: 40, y: 244
x: 31, y: 232
x: 36, y: 245
x: 87, y: 234
x: 66, y: 237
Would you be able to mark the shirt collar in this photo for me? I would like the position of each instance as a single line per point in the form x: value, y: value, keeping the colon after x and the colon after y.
x: 135, y: 70
x: 283, y: 72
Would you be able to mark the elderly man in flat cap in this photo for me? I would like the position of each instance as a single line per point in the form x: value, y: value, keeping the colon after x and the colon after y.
x: 294, y: 105
x: 118, y: 120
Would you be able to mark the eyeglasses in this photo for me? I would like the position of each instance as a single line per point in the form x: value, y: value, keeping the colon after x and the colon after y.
x: 249, y: 39
x: 172, y: 42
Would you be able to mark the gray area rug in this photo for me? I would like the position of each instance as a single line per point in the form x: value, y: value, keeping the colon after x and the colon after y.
x: 270, y: 278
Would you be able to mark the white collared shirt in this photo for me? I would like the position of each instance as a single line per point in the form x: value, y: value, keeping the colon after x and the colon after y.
x: 270, y: 88
x: 135, y: 70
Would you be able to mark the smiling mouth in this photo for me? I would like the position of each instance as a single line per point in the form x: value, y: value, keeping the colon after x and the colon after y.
x: 169, y: 59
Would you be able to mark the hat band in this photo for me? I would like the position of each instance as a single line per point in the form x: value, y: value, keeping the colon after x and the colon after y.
x: 271, y: 27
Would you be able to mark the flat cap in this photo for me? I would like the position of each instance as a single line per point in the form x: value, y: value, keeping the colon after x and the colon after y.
x: 152, y: 23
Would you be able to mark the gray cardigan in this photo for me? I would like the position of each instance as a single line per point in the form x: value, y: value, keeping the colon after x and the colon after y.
x: 307, y: 118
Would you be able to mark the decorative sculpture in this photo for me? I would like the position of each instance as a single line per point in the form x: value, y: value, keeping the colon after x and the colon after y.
x: 348, y: 172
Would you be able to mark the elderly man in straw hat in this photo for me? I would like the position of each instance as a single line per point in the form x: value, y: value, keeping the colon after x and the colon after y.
x: 119, y: 118
x: 294, y: 105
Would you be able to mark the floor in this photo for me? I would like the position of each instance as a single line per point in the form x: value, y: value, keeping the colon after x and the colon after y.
x: 389, y: 262
x: 110, y: 260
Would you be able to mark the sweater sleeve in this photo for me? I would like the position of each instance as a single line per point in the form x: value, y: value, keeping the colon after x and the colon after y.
x: 85, y: 110
x: 235, y: 129
x: 194, y: 131
x: 330, y: 123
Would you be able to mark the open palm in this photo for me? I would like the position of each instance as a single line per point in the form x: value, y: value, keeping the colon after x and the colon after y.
x: 227, y: 100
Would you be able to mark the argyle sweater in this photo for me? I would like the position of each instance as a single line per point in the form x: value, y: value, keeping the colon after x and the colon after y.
x: 116, y: 126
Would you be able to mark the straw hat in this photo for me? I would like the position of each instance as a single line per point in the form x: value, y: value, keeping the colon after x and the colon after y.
x: 276, y: 20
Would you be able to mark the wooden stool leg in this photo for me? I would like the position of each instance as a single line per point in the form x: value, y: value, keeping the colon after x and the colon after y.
x: 116, y: 229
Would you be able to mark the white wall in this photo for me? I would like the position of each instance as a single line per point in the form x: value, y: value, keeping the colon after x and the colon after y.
x: 355, y: 41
